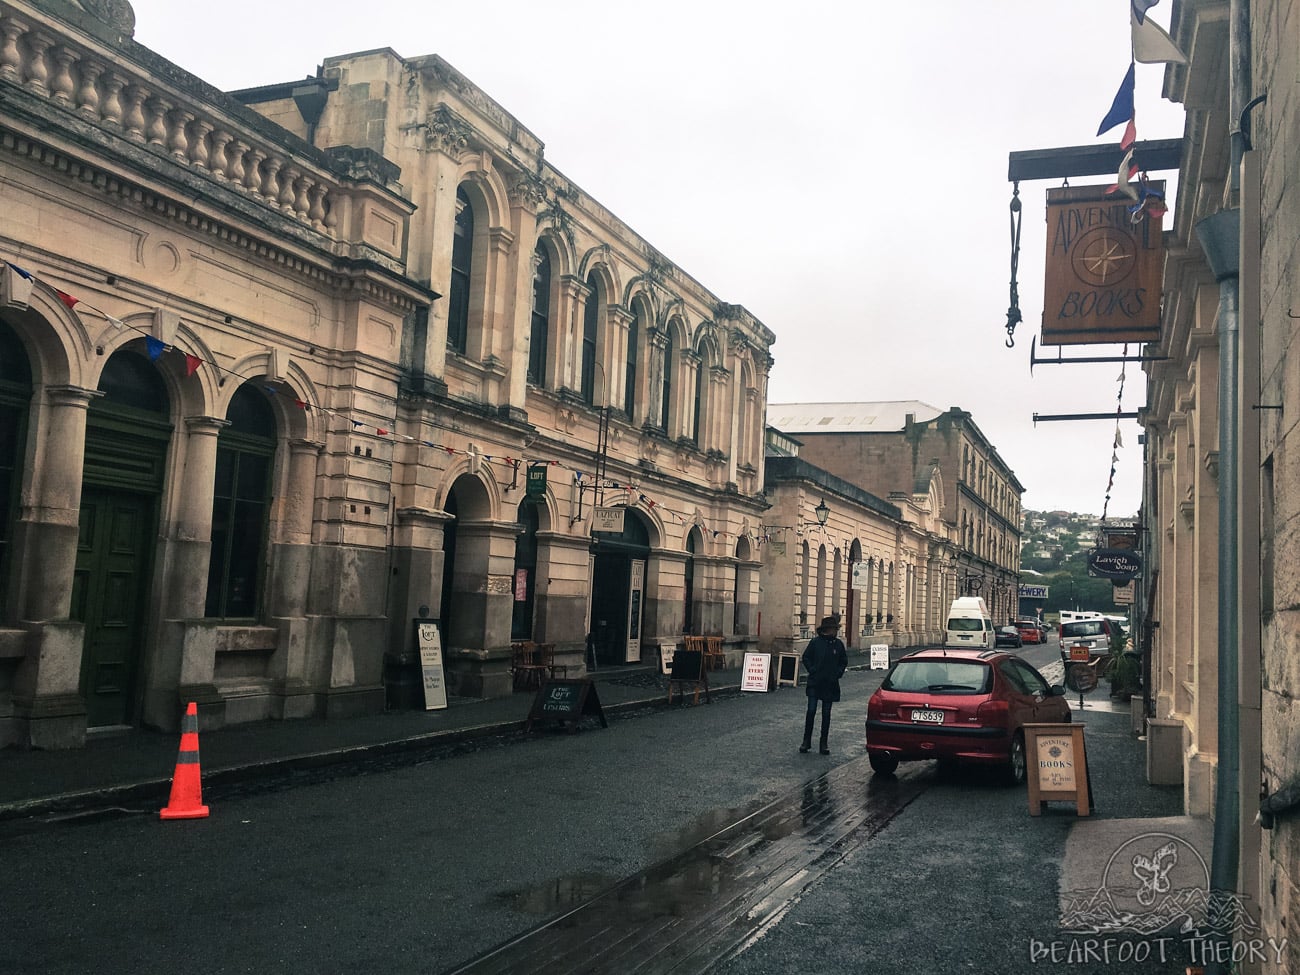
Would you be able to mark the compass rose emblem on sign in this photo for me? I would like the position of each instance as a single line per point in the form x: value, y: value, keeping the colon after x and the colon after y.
x: 1103, y: 258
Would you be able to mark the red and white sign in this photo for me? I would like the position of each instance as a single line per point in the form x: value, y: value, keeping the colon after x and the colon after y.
x: 754, y: 676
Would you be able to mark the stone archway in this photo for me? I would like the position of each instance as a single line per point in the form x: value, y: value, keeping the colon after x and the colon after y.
x: 618, y: 586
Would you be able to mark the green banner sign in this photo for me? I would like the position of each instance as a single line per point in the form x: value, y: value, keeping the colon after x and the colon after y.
x: 535, y: 485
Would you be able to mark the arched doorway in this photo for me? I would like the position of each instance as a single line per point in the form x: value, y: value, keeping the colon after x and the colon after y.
x: 15, y: 396
x: 853, y: 597
x: 617, y: 591
x: 525, y: 576
x: 128, y: 430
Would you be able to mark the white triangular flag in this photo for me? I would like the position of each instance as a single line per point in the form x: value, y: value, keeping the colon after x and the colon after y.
x: 1151, y: 45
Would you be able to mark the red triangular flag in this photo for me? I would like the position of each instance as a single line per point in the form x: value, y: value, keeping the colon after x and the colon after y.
x: 67, y: 299
x: 192, y: 363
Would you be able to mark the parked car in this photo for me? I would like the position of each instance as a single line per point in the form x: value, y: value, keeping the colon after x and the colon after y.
x: 1094, y: 634
x: 959, y: 706
x: 1031, y: 631
x: 1008, y: 636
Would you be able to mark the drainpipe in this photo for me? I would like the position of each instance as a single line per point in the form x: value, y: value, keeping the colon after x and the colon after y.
x: 1220, y: 236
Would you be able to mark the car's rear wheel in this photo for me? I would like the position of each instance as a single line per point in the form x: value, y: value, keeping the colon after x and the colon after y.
x: 884, y: 764
x: 1015, y: 767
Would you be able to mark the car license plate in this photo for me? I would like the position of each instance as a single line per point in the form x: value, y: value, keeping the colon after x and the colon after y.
x: 928, y: 717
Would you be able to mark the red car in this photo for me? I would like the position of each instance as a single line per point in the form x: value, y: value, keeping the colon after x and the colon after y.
x: 1031, y: 631
x: 960, y: 706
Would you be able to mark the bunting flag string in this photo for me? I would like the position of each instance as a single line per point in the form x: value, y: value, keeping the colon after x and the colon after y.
x: 155, y: 348
x: 1150, y: 44
x: 1118, y: 440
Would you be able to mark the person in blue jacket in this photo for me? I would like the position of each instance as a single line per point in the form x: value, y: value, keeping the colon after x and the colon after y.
x: 825, y: 660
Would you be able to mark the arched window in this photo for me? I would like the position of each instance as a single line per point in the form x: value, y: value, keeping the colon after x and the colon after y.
x: 667, y: 383
x: 629, y: 388
x: 698, y: 409
x: 15, y: 394
x: 240, y: 502
x: 462, y: 252
x: 590, y: 324
x: 539, y: 332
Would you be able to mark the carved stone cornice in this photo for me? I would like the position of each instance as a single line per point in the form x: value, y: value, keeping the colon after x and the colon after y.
x: 445, y: 131
x: 1212, y: 463
x: 559, y: 221
x: 528, y: 191
x: 118, y: 14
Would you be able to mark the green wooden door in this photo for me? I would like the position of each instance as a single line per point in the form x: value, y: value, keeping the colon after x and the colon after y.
x: 108, y: 595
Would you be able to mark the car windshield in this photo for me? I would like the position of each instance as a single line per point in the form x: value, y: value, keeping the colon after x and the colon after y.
x: 939, y: 677
x: 966, y: 623
x: 1082, y: 628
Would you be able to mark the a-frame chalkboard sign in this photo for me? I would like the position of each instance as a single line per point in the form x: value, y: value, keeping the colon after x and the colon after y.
x: 688, y: 672
x: 566, y: 701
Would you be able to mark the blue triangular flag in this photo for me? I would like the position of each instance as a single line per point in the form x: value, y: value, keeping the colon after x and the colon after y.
x: 19, y: 271
x: 1140, y: 8
x: 155, y: 347
x: 1121, y: 110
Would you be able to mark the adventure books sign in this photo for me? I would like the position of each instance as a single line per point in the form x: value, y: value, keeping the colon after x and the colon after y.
x: 1102, y: 282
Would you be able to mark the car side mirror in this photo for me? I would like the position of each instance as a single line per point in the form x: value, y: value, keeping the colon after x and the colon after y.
x: 1057, y: 690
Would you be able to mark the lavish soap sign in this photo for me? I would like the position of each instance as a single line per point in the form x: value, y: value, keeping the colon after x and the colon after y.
x: 1102, y: 282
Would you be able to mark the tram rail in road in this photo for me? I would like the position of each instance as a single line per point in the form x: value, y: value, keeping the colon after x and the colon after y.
x: 708, y: 903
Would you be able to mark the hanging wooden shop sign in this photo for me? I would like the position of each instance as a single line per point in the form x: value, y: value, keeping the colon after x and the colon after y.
x: 1102, y: 282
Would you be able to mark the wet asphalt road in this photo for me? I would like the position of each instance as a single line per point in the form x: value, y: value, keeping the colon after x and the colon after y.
x: 427, y: 868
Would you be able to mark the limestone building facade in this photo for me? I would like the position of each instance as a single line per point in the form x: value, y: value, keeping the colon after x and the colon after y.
x: 283, y: 371
x: 1218, y: 435
x: 911, y: 450
x: 828, y: 546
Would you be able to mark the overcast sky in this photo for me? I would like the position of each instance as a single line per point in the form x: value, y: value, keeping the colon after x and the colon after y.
x: 838, y: 169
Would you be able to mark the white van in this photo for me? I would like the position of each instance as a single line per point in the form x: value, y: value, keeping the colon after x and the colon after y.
x: 969, y: 624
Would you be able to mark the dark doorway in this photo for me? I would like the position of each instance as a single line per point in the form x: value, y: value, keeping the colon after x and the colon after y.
x: 107, y: 597
x: 448, y: 567
x: 611, y: 588
x: 127, y: 435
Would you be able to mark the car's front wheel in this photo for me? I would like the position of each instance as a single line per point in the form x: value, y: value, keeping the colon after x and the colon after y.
x: 884, y: 764
x: 1015, y: 767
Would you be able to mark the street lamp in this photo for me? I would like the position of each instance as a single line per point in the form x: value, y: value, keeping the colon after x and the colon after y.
x: 822, y: 512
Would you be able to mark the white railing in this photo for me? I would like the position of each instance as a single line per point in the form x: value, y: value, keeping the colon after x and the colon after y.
x: 139, y: 108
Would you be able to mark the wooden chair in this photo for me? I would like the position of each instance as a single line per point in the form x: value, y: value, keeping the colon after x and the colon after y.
x: 714, y: 656
x: 524, y: 666
x: 546, y: 660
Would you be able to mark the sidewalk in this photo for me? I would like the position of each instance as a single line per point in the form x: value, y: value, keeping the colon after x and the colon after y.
x: 135, y: 767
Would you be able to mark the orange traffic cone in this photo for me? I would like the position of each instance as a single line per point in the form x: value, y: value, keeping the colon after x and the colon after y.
x: 187, y: 791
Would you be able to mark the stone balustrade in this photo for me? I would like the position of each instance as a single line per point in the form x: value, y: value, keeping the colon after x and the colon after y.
x: 106, y: 94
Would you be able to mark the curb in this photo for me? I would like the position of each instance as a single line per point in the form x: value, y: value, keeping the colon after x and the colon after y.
x: 103, y: 801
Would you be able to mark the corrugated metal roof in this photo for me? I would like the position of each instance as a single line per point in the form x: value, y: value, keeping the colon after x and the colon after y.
x: 847, y: 417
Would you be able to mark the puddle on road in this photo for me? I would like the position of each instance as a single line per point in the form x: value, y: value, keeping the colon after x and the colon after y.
x: 555, y: 895
x: 730, y: 873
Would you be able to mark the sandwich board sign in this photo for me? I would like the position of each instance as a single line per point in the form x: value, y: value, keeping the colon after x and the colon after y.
x: 755, y: 674
x: 880, y: 656
x: 435, y: 682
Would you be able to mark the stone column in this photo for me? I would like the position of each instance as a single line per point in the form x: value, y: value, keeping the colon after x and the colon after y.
x: 187, y: 577
x: 477, y: 641
x: 416, y: 592
x: 288, y: 588
x: 46, y: 685
x: 50, y: 524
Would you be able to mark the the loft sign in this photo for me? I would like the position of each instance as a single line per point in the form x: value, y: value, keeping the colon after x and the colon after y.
x: 1102, y: 282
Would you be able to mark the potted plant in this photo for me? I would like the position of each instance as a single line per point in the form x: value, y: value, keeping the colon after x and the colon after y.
x: 1124, y: 671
